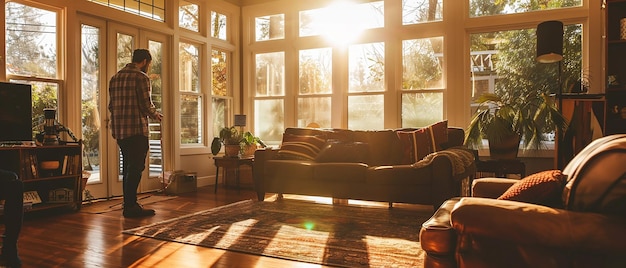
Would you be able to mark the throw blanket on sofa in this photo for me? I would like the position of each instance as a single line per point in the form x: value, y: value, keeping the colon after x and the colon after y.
x: 460, y: 158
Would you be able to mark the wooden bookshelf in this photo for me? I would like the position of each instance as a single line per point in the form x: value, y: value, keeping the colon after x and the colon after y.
x: 54, y: 172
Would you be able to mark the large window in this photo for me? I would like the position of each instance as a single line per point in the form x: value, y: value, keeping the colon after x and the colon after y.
x: 191, y: 112
x: 269, y: 110
x: 32, y: 54
x: 387, y: 64
x: 222, y: 93
x: 503, y: 63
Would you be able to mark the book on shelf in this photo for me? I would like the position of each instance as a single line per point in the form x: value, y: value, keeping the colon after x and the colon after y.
x: 64, y: 167
x: 33, y: 165
x: 32, y: 197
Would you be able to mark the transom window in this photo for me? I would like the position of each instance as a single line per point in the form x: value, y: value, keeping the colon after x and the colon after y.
x: 153, y: 9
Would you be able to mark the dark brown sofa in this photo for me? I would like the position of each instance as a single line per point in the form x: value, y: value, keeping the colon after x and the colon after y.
x: 588, y: 229
x: 378, y: 174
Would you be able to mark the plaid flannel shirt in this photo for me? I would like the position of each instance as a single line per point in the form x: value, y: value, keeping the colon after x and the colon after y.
x: 130, y: 102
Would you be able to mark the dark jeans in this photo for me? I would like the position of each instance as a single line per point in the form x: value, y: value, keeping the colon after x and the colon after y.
x: 134, y: 151
x: 12, y: 191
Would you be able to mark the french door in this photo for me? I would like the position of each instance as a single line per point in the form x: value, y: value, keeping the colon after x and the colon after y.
x: 106, y: 48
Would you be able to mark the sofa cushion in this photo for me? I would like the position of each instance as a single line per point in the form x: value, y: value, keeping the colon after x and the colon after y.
x: 439, y: 132
x: 300, y: 147
x: 340, y: 172
x: 542, y: 188
x: 343, y: 152
x: 384, y: 146
x: 416, y: 143
x: 281, y: 170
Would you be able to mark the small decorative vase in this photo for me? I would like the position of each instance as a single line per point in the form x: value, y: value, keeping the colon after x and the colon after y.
x: 216, y: 146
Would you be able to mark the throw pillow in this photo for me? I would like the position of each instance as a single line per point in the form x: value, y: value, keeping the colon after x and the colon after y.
x: 300, y: 147
x: 343, y: 152
x: 542, y: 188
x: 416, y: 144
x: 439, y: 132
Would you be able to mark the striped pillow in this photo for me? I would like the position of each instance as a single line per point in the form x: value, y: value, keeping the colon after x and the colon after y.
x: 416, y: 144
x: 439, y: 132
x: 300, y: 147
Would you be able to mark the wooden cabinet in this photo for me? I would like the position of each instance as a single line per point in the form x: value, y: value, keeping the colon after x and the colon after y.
x: 615, y: 67
x: 54, y: 172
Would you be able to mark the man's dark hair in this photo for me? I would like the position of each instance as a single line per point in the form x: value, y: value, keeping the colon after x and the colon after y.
x: 141, y: 54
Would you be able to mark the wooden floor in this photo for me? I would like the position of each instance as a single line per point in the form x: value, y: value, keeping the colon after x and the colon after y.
x: 76, y: 239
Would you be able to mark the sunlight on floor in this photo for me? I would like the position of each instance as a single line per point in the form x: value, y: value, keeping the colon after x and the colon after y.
x: 337, y: 201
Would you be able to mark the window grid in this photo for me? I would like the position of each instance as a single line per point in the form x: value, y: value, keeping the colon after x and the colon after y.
x: 152, y: 9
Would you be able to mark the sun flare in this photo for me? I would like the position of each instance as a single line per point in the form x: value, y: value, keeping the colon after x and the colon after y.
x: 341, y: 23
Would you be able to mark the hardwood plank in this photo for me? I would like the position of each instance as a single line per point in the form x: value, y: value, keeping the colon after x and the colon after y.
x: 75, y: 239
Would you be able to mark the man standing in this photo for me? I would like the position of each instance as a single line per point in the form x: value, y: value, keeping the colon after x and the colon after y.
x: 12, y: 191
x: 130, y: 106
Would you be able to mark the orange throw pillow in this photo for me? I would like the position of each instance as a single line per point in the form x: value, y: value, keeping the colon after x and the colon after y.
x: 542, y: 188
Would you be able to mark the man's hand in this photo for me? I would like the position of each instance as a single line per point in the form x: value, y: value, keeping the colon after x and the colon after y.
x: 158, y: 116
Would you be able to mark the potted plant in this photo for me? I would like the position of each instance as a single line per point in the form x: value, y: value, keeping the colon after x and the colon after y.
x: 250, y: 143
x: 506, y: 120
x: 231, y: 138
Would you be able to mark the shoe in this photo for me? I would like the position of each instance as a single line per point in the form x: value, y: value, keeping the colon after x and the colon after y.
x: 9, y: 258
x: 137, y: 211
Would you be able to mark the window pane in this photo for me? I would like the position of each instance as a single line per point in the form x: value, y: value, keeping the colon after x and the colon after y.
x: 269, y: 120
x: 31, y: 41
x: 489, y: 7
x: 422, y: 61
x: 314, y: 110
x: 90, y: 102
x: 316, y: 71
x: 220, y: 111
x: 189, y: 68
x: 156, y: 80
x: 343, y: 21
x: 417, y: 11
x: 219, y: 68
x: 270, y: 27
x: 218, y: 25
x: 190, y: 119
x: 270, y: 74
x: 188, y: 15
x: 367, y: 67
x: 421, y: 109
x: 45, y: 95
x: 366, y: 112
x: 124, y: 50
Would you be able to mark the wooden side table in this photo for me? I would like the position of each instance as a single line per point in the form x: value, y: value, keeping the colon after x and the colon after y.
x: 231, y: 162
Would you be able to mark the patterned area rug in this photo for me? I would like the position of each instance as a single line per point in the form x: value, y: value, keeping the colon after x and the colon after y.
x: 339, y: 235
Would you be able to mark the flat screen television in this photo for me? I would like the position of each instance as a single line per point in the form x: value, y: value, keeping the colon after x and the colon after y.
x: 16, y: 113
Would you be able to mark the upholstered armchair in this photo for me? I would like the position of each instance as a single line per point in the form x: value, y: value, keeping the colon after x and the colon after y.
x: 516, y: 223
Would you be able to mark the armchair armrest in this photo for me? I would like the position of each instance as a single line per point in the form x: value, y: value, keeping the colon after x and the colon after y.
x: 491, y: 187
x: 528, y: 224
